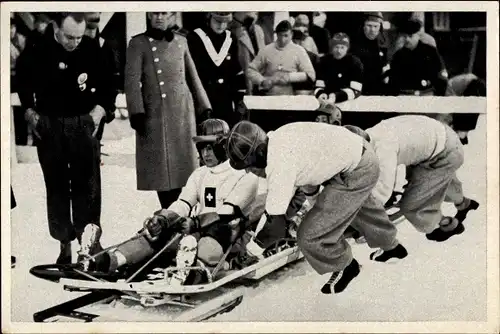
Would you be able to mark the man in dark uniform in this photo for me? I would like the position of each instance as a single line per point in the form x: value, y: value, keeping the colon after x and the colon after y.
x: 417, y: 68
x: 370, y: 48
x: 72, y: 85
x: 215, y: 54
x: 340, y: 74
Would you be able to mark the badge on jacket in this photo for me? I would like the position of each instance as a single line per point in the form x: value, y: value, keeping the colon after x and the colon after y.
x: 82, y: 78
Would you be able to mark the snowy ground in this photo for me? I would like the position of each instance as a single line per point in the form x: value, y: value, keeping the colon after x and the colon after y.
x: 436, y: 282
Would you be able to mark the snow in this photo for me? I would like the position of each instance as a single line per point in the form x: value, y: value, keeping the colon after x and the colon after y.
x: 436, y: 282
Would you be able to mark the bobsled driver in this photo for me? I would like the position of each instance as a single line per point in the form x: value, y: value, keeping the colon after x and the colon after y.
x: 217, y: 188
x: 308, y: 155
x: 432, y: 153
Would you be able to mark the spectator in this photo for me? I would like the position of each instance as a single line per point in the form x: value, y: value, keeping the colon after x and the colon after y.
x: 308, y: 42
x: 109, y: 49
x: 42, y: 22
x: 281, y: 64
x: 160, y: 80
x: 66, y: 89
x: 423, y: 36
x: 17, y: 46
x: 466, y: 84
x: 370, y: 48
x: 299, y: 38
x: 340, y: 74
x: 215, y: 54
x: 319, y: 33
x: 417, y: 69
x: 250, y: 41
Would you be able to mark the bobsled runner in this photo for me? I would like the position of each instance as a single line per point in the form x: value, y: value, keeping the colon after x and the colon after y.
x: 150, y: 286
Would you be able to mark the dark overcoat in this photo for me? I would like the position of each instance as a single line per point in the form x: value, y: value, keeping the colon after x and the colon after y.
x: 160, y: 81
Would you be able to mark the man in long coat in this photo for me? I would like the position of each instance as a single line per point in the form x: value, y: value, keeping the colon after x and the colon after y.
x: 160, y: 81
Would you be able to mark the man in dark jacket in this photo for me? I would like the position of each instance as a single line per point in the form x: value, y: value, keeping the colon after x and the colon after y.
x: 417, y: 69
x: 370, y: 48
x: 72, y: 85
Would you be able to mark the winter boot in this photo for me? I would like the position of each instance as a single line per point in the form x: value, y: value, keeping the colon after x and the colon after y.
x: 186, y: 257
x: 448, y: 227
x: 464, y: 208
x: 398, y: 252
x: 64, y: 254
x: 340, y: 279
x: 89, y: 244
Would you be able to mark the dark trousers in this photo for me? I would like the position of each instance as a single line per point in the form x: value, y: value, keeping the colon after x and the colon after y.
x: 168, y: 197
x: 20, y: 126
x: 70, y: 161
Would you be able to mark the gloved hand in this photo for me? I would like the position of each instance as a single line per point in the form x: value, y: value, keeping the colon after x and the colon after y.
x: 189, y: 225
x: 154, y: 226
x: 138, y: 123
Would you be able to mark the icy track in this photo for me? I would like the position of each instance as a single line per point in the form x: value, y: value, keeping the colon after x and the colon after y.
x: 436, y: 282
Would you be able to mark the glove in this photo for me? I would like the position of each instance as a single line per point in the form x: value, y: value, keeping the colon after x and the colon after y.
x: 153, y: 227
x: 138, y: 123
x: 189, y: 225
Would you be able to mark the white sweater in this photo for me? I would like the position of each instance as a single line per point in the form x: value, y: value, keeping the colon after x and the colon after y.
x: 404, y: 140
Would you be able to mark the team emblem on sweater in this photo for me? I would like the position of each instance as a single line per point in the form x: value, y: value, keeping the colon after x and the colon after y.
x: 210, y: 197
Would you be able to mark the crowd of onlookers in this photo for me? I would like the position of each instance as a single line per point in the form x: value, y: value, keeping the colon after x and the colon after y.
x: 335, y: 67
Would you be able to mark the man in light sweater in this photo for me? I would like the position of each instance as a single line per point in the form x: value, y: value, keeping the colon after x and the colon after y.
x: 346, y: 166
x: 432, y: 153
x: 281, y: 64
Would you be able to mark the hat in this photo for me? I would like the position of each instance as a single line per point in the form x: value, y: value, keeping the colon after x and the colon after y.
x: 243, y: 142
x: 374, y: 16
x: 223, y: 17
x: 340, y: 38
x: 410, y: 27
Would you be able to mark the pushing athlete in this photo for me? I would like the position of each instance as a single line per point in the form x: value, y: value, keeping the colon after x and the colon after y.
x: 432, y: 153
x: 310, y: 155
